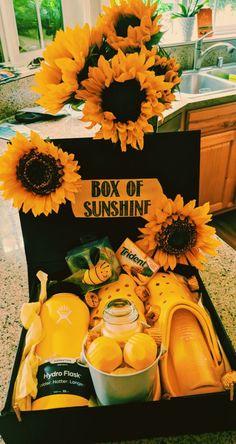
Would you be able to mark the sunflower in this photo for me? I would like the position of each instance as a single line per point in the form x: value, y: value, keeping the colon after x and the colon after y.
x: 168, y: 67
x: 129, y: 23
x: 122, y: 95
x: 65, y: 65
x: 37, y: 175
x: 177, y: 233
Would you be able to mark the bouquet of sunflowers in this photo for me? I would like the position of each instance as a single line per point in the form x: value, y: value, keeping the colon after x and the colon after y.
x: 125, y: 81
x: 116, y: 69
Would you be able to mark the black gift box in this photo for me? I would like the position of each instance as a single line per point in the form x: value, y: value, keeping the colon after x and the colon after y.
x: 173, y: 158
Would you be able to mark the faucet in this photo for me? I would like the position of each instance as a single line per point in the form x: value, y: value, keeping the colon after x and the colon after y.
x: 220, y: 62
x: 199, y: 54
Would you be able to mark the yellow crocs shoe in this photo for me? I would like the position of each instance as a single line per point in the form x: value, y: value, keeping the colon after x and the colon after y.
x: 194, y: 361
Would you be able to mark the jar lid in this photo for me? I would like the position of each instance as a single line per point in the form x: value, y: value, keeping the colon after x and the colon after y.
x: 120, y: 311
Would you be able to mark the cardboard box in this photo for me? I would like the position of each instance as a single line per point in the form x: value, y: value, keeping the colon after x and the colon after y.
x: 173, y: 158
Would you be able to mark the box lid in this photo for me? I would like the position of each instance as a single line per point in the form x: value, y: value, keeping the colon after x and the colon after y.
x: 172, y: 158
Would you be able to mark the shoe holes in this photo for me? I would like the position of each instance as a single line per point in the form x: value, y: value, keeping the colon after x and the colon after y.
x: 126, y: 285
x: 118, y: 289
x: 157, y: 284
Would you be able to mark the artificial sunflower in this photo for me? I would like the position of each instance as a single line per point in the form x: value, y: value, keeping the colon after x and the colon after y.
x: 65, y: 65
x: 177, y: 233
x: 130, y: 23
x: 122, y: 95
x: 37, y: 175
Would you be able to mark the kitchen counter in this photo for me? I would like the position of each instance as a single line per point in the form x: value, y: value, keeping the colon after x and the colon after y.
x: 71, y: 126
x: 218, y: 276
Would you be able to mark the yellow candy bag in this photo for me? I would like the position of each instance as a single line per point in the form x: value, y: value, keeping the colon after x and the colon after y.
x: 93, y: 265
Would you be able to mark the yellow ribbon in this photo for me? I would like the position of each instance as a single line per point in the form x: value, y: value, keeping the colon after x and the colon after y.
x: 26, y: 381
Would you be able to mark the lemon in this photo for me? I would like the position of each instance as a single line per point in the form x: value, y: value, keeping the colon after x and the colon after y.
x: 123, y: 371
x: 140, y: 351
x: 104, y: 354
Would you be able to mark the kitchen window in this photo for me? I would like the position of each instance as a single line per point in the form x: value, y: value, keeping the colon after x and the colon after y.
x: 27, y: 26
x: 224, y: 17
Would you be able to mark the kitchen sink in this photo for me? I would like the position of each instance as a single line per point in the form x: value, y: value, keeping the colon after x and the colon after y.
x: 197, y: 84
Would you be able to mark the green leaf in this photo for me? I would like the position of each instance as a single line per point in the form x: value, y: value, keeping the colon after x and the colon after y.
x: 177, y: 14
x: 163, y: 53
x: 196, y: 10
x: 156, y: 38
x: 184, y: 9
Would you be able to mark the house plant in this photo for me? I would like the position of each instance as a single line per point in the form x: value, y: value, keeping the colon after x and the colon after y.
x: 185, y: 18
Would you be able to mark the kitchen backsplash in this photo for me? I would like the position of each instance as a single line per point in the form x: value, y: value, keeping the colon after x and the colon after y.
x: 15, y: 95
x: 185, y: 54
x: 18, y: 94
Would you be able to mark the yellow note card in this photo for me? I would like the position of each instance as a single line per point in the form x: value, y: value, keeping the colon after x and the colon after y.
x: 117, y: 197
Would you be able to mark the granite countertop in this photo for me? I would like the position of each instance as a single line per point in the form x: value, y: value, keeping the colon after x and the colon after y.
x: 71, y: 125
x: 218, y: 277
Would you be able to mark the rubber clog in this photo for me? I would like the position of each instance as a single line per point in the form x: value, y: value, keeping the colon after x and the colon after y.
x: 193, y: 361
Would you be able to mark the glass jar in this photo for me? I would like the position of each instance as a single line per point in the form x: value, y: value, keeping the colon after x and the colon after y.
x: 120, y: 320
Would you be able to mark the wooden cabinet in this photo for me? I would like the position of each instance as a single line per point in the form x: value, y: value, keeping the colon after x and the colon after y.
x: 218, y: 154
x: 218, y: 170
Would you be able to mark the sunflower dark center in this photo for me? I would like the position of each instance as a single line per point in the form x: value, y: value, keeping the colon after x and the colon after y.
x: 124, y: 100
x: 177, y: 238
x: 39, y: 173
x: 123, y: 22
x: 159, y: 70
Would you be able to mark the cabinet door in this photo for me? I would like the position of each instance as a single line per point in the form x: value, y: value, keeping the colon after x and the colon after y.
x: 218, y: 170
x: 212, y: 120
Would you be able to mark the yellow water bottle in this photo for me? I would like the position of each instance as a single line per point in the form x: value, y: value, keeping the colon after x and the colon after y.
x: 62, y: 380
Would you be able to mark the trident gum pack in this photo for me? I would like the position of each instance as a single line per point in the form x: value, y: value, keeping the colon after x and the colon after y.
x: 136, y: 263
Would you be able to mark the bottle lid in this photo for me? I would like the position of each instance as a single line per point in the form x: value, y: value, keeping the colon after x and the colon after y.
x: 120, y: 311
